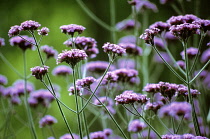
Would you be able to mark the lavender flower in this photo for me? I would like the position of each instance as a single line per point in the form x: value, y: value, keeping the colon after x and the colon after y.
x: 170, y: 37
x: 19, y: 87
x: 110, y: 77
x: 127, y: 97
x: 142, y: 6
x: 107, y: 131
x: 68, y: 136
x: 155, y: 106
x: 128, y: 39
x: 125, y: 63
x: 181, y: 64
x: 98, y: 135
x: 151, y: 88
x: 29, y: 25
x: 72, y: 90
x: 43, y: 31
x: 149, y: 35
x: 126, y: 75
x: 183, y: 91
x: 49, y: 51
x: 177, y: 20
x: 185, y: 136
x: 71, y: 57
x: 39, y: 72
x: 62, y: 70
x: 127, y: 24
x: 47, y: 120
x: 162, y: 26
x: 3, y: 80
x: 131, y: 49
x: 71, y: 29
x: 204, y: 24
x: 14, y: 30
x: 191, y: 53
x: 205, y: 56
x: 2, y: 43
x: 113, y: 49
x: 171, y: 136
x: 158, y: 42
x: 86, y: 82
x: 26, y: 43
x: 136, y: 126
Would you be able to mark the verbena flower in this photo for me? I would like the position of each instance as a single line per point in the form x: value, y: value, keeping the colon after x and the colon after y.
x: 204, y: 24
x: 149, y: 34
x: 180, y: 19
x: 205, y: 56
x: 128, y: 39
x: 62, y: 70
x: 71, y: 29
x: 43, y: 31
x: 131, y: 49
x: 2, y: 90
x: 71, y: 57
x: 126, y: 75
x: 127, y: 97
x: 191, y: 53
x: 39, y: 72
x: 49, y: 51
x: 170, y: 37
x: 88, y: 44
x: 136, y: 126
x: 165, y: 55
x: 142, y: 6
x: 14, y: 30
x: 153, y: 106
x: 110, y: 77
x: 3, y: 80
x: 158, y: 42
x: 183, y: 91
x: 19, y: 87
x: 165, y: 1
x: 68, y: 136
x: 47, y: 120
x: 2, y: 42
x: 181, y: 64
x: 29, y: 25
x: 184, y: 136
x: 72, y: 90
x: 26, y: 43
x: 127, y: 24
x: 162, y: 26
x: 98, y: 135
x: 171, y: 137
x: 85, y: 82
x: 125, y: 63
x: 113, y: 50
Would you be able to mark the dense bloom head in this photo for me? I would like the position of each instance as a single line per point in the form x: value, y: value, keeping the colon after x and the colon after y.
x: 149, y: 34
x: 29, y: 25
x: 49, y: 51
x: 191, y: 53
x: 47, y: 120
x: 14, y: 30
x: 142, y: 5
x: 19, y: 87
x: 171, y: 136
x: 3, y: 80
x: 162, y: 26
x: 68, y: 136
x: 127, y: 97
x: 72, y: 90
x: 155, y: 106
x: 128, y: 24
x: 71, y: 29
x: 86, y: 82
x: 110, y: 77
x: 71, y: 57
x: 2, y: 43
x: 181, y: 64
x: 183, y: 91
x: 43, y: 31
x: 131, y: 49
x: 39, y: 72
x: 205, y: 56
x: 26, y: 43
x: 98, y: 135
x: 113, y: 49
x: 62, y: 70
x: 136, y: 126
x: 204, y: 24
x: 177, y: 20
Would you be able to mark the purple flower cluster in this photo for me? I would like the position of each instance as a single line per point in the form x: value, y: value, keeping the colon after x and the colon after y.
x: 47, y: 120
x: 101, y: 134
x: 205, y: 56
x: 125, y: 63
x: 178, y: 20
x: 71, y: 57
x: 162, y: 26
x: 181, y: 64
x: 113, y: 49
x: 136, y: 126
x: 29, y: 25
x: 131, y: 49
x: 24, y: 43
x: 185, y: 136
x: 72, y: 92
x: 71, y: 29
x: 68, y: 136
x: 128, y: 39
x: 142, y: 5
x: 49, y: 51
x: 127, y: 24
x: 85, y: 82
x: 176, y: 109
x: 43, y: 31
x: 158, y: 42
x: 191, y: 53
x: 2, y: 43
x: 149, y: 34
x: 62, y: 70
x: 183, y: 91
x: 39, y: 72
x: 110, y: 77
x: 204, y: 24
x: 41, y: 96
x: 88, y: 44
x: 154, y: 106
x: 3, y: 80
x: 14, y: 30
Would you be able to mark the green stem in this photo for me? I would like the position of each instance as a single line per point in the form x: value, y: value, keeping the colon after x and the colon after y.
x: 113, y: 22
x: 164, y: 124
x: 177, y: 130
x: 176, y: 9
x: 52, y: 131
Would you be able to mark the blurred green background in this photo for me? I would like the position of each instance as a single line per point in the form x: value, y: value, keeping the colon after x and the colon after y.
x: 53, y: 14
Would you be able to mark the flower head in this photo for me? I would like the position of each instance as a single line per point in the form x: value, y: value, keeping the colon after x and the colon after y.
x: 62, y: 70
x: 127, y: 24
x: 39, y: 72
x: 162, y: 26
x: 204, y: 24
x: 125, y: 75
x: 68, y: 136
x: 49, y: 51
x: 110, y: 77
x: 136, y: 126
x: 98, y: 135
x: 29, y: 25
x: 2, y: 43
x: 71, y: 29
x: 177, y: 20
x: 43, y: 31
x: 131, y: 49
x: 127, y: 97
x: 128, y: 39
x: 191, y: 53
x: 14, y: 30
x: 47, y: 120
x: 149, y: 34
x: 142, y: 6
x: 3, y: 80
x: 181, y: 64
x: 71, y: 57
x: 72, y: 90
x: 85, y: 82
x: 205, y: 56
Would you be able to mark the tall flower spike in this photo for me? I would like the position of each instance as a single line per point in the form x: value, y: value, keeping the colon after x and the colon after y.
x: 39, y: 72
x: 71, y: 29
x: 71, y: 57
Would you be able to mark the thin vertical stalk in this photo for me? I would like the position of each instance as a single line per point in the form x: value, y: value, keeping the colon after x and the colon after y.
x: 52, y: 131
x: 30, y: 118
x: 195, y: 120
x: 113, y: 22
x: 77, y: 104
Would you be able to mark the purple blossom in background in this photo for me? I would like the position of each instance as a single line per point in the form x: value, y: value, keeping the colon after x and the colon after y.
x: 131, y: 49
x: 3, y: 80
x: 154, y: 106
x: 71, y: 29
x: 62, y: 70
x: 43, y: 31
x: 185, y: 136
x: 19, y: 87
x: 29, y: 25
x: 110, y: 77
x: 149, y: 34
x: 162, y: 26
x: 208, y: 44
x: 205, y: 56
x: 191, y: 53
x: 128, y: 39
x: 170, y: 37
x: 39, y: 72
x: 47, y: 120
x: 85, y: 82
x: 107, y: 131
x: 183, y: 91
x: 2, y: 42
x: 152, y: 134
x: 127, y: 97
x: 204, y: 24
x: 14, y: 30
x: 151, y: 88
x: 68, y: 136
x: 165, y: 1
x: 165, y: 55
x: 98, y: 135
x: 180, y: 19
x: 127, y: 24
x: 142, y: 5
x: 125, y: 63
x: 105, y: 100
x: 26, y: 43
x: 126, y: 75
x: 72, y: 90
x: 158, y: 42
x: 171, y: 137
x: 136, y: 126
x: 71, y: 57
x: 181, y: 64
x: 2, y: 90
x: 88, y: 44
x: 49, y: 51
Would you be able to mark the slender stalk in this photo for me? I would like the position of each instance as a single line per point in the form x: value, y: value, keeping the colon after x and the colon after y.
x: 195, y: 120
x: 52, y: 131
x: 164, y: 125
x: 113, y: 22
x: 177, y: 130
x: 176, y: 9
